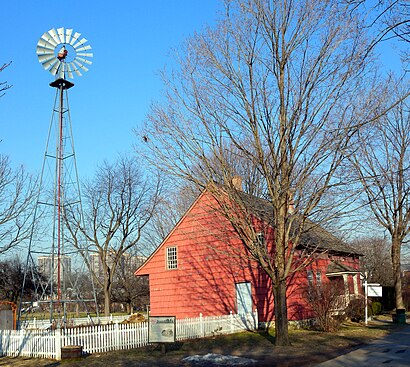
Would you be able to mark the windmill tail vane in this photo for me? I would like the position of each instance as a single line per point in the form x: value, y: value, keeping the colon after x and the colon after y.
x: 64, y: 53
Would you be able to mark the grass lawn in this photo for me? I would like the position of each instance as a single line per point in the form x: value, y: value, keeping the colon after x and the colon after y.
x: 308, y: 348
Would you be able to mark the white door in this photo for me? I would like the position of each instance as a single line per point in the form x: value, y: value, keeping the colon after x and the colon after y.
x: 244, y: 298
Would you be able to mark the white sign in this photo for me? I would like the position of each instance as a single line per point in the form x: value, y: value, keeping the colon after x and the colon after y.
x: 374, y: 290
x: 161, y: 329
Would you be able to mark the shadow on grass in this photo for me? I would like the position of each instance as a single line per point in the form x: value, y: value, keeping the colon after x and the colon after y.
x: 268, y: 336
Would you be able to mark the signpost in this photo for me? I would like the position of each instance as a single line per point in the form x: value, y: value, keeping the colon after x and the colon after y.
x: 374, y: 290
x: 161, y: 329
x: 370, y: 290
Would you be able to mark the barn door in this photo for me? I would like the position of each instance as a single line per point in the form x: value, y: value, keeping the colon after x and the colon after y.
x: 244, y: 298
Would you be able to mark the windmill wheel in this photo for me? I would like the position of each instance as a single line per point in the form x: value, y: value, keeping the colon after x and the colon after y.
x: 63, y: 53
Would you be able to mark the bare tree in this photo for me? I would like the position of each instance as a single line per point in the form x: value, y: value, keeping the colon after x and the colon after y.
x: 17, y: 190
x: 128, y: 289
x: 118, y: 203
x: 11, y: 279
x: 382, y: 162
x: 3, y: 85
x: 376, y: 259
x: 275, y: 83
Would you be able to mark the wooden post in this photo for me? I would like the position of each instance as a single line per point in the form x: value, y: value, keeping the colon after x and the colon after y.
x: 201, y: 326
x: 365, y: 297
x: 57, y: 338
x: 117, y: 335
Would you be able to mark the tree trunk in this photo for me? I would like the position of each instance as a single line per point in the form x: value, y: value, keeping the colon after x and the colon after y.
x: 281, y: 314
x: 395, y: 257
x: 107, y: 299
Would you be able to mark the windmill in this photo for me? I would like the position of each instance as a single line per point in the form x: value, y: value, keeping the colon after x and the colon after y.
x: 64, y: 53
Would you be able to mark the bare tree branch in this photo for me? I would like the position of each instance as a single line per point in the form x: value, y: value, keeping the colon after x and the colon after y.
x: 3, y: 85
x: 118, y: 204
x: 17, y: 190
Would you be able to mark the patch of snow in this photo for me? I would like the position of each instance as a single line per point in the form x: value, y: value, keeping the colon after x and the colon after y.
x: 212, y: 359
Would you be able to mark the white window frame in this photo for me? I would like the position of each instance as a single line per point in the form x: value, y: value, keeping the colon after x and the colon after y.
x: 309, y: 277
x: 260, y: 238
x: 172, y: 258
x: 318, y: 278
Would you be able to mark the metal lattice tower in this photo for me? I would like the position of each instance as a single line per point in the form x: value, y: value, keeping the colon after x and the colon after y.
x: 64, y: 54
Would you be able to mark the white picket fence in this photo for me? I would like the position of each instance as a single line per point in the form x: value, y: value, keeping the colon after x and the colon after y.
x: 43, y: 324
x: 105, y: 338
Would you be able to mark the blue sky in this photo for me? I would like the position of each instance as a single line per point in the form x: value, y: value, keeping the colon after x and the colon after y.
x: 131, y: 42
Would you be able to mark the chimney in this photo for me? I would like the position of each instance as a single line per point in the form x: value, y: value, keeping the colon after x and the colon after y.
x: 237, y: 183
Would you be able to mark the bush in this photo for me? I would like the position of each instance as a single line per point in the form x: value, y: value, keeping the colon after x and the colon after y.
x: 355, y: 310
x: 376, y: 308
x: 325, y: 301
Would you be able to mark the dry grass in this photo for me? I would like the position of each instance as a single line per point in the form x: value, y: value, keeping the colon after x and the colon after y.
x: 308, y: 348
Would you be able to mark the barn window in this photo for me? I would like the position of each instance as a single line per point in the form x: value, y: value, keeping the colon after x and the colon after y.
x: 310, y: 277
x: 318, y: 278
x: 172, y: 259
x: 260, y: 238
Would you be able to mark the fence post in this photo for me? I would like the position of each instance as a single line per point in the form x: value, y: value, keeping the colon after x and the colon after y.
x: 231, y: 318
x: 57, y: 344
x: 201, y: 326
x: 117, y: 336
x: 256, y: 319
x: 21, y: 341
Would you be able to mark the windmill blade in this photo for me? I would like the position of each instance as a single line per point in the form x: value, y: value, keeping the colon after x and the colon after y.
x: 61, y: 34
x: 47, y: 65
x: 80, y: 43
x: 85, y: 54
x: 69, y: 71
x: 47, y: 57
x: 40, y: 50
x: 45, y: 45
x: 81, y: 66
x: 55, y: 67
x: 84, y: 48
x: 83, y: 60
x: 75, y: 38
x: 74, y: 68
x: 54, y: 35
x: 68, y: 33
x: 46, y: 37
x: 77, y: 72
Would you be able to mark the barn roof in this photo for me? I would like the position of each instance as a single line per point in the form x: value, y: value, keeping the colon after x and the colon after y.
x: 314, y: 236
x: 335, y: 268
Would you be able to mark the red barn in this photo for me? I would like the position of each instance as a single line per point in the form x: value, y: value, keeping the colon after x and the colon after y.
x: 200, y: 267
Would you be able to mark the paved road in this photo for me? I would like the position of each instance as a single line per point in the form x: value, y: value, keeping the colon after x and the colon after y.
x: 392, y: 350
